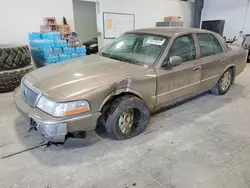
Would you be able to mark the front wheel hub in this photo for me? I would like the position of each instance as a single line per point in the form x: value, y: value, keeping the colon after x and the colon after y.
x: 126, y: 121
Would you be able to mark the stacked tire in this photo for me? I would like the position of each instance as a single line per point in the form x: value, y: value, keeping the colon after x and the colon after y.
x: 15, y: 61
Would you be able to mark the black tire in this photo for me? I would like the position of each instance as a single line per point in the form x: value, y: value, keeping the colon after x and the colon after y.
x: 141, y: 116
x: 248, y: 57
x: 9, y: 80
x: 14, y: 56
x: 219, y: 87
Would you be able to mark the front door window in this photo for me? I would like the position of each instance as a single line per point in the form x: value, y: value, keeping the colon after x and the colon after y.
x: 183, y: 47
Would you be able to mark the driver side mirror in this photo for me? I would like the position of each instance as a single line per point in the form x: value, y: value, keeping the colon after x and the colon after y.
x: 172, y: 62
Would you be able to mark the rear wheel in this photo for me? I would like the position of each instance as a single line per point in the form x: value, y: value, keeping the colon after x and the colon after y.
x: 126, y: 117
x: 225, y: 82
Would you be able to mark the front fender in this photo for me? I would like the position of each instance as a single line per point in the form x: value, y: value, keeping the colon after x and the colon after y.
x: 142, y: 85
x: 118, y: 92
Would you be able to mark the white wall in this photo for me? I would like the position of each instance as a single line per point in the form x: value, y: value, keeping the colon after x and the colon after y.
x: 148, y: 12
x: 85, y: 19
x: 247, y: 21
x: 232, y: 11
x: 19, y: 17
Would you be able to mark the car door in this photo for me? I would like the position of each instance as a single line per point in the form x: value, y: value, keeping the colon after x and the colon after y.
x: 212, y: 60
x: 181, y: 81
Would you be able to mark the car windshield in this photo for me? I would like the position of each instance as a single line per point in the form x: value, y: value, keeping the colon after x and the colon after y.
x: 141, y: 49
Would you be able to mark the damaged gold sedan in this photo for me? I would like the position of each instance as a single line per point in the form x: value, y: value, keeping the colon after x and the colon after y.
x: 140, y: 72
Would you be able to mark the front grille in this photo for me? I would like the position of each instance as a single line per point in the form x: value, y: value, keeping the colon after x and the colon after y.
x: 28, y: 95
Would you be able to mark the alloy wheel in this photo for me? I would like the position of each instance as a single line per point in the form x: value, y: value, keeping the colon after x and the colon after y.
x: 226, y: 81
x: 126, y: 121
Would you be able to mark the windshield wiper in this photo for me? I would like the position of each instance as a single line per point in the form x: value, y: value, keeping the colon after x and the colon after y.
x: 115, y: 57
x: 121, y: 59
x: 105, y: 54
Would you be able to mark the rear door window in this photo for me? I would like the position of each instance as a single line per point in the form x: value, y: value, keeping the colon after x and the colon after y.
x: 209, y: 45
x: 217, y: 46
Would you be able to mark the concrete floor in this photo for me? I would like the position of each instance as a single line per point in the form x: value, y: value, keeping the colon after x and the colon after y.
x: 201, y: 143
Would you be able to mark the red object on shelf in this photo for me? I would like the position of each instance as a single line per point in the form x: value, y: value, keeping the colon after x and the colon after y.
x: 49, y: 21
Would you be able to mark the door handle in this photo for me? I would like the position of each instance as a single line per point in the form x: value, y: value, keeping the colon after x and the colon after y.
x: 223, y: 61
x: 196, y: 69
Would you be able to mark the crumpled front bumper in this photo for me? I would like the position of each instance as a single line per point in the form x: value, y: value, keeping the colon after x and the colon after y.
x: 54, y: 132
x: 54, y: 129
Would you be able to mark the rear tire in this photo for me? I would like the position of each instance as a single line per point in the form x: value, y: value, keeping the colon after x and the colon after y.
x: 118, y: 108
x: 225, y: 82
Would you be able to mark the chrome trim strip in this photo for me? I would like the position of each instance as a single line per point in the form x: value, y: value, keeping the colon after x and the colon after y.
x: 174, y: 90
x: 212, y: 77
x: 31, y: 86
x: 37, y: 98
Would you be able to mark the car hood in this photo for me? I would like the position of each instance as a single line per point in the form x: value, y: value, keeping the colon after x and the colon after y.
x: 74, y: 77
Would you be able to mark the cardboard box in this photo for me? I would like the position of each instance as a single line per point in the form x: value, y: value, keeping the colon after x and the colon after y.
x: 45, y: 28
x: 172, y: 19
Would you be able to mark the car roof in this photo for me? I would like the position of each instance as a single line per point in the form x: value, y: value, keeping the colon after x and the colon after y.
x: 169, y: 31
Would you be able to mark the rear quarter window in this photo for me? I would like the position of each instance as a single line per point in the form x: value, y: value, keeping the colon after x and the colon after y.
x: 227, y: 47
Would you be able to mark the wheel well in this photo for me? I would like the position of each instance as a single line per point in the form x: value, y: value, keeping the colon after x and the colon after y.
x: 233, y: 68
x: 114, y: 97
x: 101, y: 120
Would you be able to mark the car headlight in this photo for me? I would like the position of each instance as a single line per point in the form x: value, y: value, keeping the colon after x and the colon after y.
x: 71, y: 108
x: 62, y: 109
x: 46, y: 105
